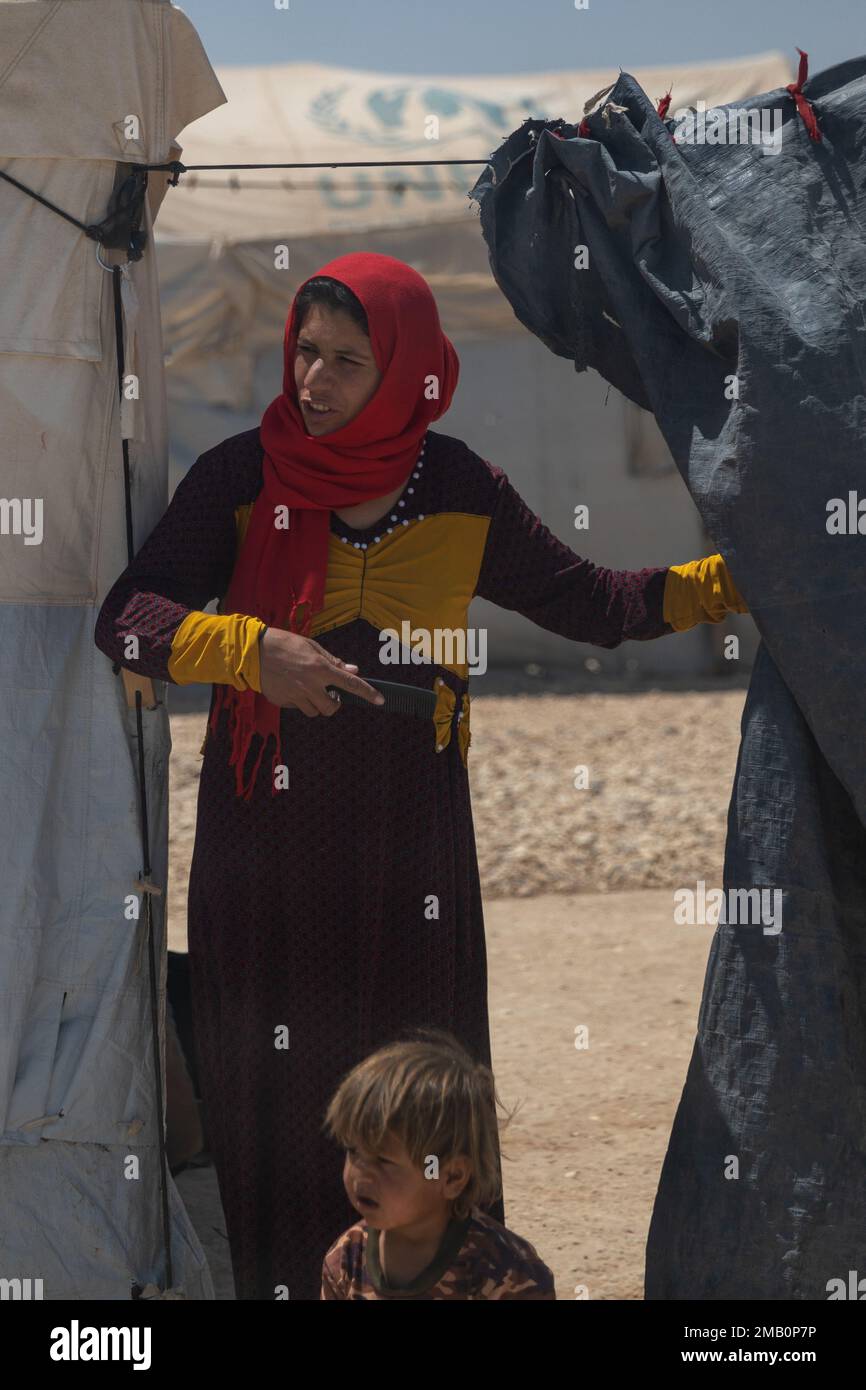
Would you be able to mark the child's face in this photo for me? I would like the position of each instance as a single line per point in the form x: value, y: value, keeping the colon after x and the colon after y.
x: 390, y: 1191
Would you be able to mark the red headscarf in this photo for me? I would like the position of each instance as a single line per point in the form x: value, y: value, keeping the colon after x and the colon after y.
x: 281, y: 569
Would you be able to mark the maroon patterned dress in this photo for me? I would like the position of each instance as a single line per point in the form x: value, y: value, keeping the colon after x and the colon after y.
x: 311, y: 909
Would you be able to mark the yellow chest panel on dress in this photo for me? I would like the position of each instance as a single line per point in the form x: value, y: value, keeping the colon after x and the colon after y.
x: 423, y: 573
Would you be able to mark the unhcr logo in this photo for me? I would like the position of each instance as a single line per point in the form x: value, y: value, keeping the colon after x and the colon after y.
x: 728, y: 125
x: 400, y: 114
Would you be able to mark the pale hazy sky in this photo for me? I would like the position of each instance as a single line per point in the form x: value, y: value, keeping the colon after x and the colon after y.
x: 488, y: 36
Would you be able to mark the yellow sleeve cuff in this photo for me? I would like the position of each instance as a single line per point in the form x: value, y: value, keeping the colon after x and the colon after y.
x: 218, y: 648
x: 701, y: 591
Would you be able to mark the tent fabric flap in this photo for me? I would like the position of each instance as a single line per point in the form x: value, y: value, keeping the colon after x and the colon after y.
x: 722, y: 286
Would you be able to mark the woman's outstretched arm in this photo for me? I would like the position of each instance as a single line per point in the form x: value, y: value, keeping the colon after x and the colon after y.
x: 527, y: 569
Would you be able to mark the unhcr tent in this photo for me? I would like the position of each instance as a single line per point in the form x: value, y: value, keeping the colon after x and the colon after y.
x: 80, y: 1190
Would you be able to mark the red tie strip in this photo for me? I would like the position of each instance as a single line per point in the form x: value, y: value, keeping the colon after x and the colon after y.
x: 803, y: 106
x: 795, y: 89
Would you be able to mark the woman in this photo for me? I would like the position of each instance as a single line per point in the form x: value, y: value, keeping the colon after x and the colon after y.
x: 334, y: 898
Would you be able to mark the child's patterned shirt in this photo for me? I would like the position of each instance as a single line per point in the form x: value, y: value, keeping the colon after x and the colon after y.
x: 477, y: 1259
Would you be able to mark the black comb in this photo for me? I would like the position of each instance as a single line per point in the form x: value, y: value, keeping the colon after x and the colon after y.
x: 399, y: 699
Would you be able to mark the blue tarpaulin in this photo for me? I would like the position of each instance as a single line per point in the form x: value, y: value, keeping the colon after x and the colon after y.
x: 722, y: 286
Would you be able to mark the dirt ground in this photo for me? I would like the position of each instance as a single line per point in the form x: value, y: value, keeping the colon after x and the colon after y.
x: 584, y: 1148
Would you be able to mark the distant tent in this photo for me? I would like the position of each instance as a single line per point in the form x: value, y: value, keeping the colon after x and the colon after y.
x: 77, y: 1076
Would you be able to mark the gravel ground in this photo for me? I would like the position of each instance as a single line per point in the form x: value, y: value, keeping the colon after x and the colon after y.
x: 659, y: 767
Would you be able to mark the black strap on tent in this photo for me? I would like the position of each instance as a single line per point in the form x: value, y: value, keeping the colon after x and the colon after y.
x: 145, y: 882
x: 175, y: 167
x: 121, y: 226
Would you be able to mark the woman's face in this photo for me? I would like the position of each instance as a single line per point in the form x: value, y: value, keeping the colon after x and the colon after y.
x: 334, y: 367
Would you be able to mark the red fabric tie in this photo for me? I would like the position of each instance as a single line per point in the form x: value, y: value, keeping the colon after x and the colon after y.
x: 803, y: 106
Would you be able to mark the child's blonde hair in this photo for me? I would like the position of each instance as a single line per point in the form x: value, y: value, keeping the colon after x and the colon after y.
x: 437, y: 1101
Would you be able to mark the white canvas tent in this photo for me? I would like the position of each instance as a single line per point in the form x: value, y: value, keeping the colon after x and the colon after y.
x: 80, y: 1204
x: 225, y: 291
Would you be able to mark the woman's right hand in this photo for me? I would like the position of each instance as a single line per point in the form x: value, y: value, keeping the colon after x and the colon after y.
x: 295, y: 671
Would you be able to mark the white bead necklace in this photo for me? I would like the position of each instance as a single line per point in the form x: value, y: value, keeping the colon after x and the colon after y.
x: 408, y: 491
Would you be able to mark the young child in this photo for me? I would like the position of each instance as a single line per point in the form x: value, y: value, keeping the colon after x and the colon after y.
x: 418, y: 1122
